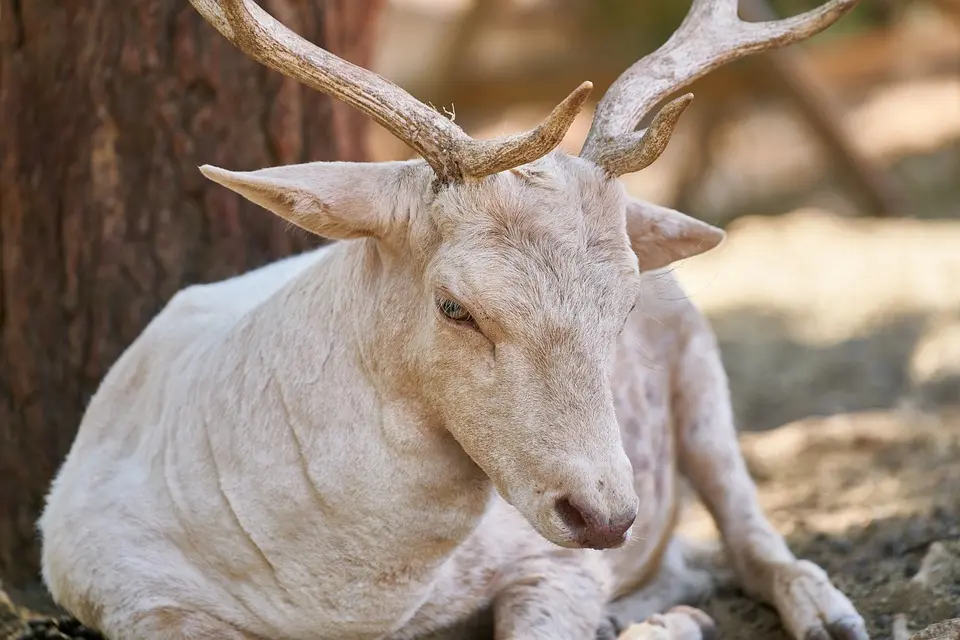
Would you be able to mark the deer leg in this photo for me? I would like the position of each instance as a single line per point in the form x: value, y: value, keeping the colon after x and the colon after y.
x: 171, y: 623
x: 550, y: 597
x: 679, y: 623
x: 689, y: 572
x: 810, y: 607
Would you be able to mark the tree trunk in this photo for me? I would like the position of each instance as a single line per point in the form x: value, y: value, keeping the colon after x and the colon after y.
x: 107, y: 108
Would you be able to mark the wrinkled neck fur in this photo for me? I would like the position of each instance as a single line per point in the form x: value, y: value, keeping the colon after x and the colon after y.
x: 313, y: 334
x: 330, y: 340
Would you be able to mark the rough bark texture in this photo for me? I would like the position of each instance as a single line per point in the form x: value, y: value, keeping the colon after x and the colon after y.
x: 107, y: 108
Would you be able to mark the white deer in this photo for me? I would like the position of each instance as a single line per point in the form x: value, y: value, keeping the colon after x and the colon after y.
x: 454, y: 412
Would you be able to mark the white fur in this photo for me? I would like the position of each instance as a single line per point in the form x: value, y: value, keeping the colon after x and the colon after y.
x: 310, y: 450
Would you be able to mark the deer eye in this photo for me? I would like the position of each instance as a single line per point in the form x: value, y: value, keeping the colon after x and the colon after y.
x: 454, y: 310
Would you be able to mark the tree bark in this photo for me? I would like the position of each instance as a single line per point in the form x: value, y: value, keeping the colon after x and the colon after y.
x: 106, y: 110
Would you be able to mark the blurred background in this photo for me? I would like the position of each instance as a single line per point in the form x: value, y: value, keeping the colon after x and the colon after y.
x: 834, y: 165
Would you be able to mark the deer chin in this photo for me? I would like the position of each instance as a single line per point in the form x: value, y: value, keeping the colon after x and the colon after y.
x: 559, y: 522
x: 551, y: 525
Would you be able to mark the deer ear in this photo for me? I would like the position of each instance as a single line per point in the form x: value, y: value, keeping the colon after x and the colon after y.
x: 660, y: 236
x: 336, y: 200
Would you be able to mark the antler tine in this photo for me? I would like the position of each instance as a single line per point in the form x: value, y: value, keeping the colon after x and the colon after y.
x: 710, y: 36
x: 491, y: 156
x: 451, y: 153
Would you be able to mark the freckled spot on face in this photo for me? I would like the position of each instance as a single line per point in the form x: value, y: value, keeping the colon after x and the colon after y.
x: 694, y: 428
x: 651, y: 395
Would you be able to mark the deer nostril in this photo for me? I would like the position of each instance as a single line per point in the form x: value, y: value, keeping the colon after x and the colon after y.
x: 571, y: 515
x: 592, y: 530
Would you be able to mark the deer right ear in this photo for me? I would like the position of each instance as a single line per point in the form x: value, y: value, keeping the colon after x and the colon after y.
x: 335, y: 200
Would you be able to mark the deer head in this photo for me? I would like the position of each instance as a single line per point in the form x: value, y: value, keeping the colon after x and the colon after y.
x: 505, y: 269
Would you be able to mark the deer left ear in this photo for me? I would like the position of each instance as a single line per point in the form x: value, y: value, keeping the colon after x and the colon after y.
x: 660, y: 236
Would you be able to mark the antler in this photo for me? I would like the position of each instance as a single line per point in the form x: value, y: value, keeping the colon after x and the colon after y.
x: 452, y: 153
x: 710, y: 36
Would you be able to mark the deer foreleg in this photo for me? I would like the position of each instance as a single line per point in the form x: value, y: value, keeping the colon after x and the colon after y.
x: 550, y: 597
x: 810, y: 607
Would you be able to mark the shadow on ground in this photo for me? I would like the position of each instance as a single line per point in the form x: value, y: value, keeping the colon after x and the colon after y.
x: 776, y: 378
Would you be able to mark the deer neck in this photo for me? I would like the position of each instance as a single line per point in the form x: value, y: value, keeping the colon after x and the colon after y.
x: 371, y: 457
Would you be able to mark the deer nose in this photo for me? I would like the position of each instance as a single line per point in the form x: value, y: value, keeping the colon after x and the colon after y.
x: 592, y: 529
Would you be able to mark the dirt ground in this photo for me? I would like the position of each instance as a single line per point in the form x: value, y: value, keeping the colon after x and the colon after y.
x: 868, y: 496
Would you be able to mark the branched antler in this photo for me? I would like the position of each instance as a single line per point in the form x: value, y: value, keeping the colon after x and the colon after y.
x: 710, y: 36
x: 452, y: 153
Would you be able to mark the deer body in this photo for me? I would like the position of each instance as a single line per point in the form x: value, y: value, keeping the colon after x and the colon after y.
x: 480, y: 399
x: 256, y: 431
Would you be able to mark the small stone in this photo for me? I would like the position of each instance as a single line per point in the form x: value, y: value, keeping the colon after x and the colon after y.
x: 946, y: 630
x: 940, y: 566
